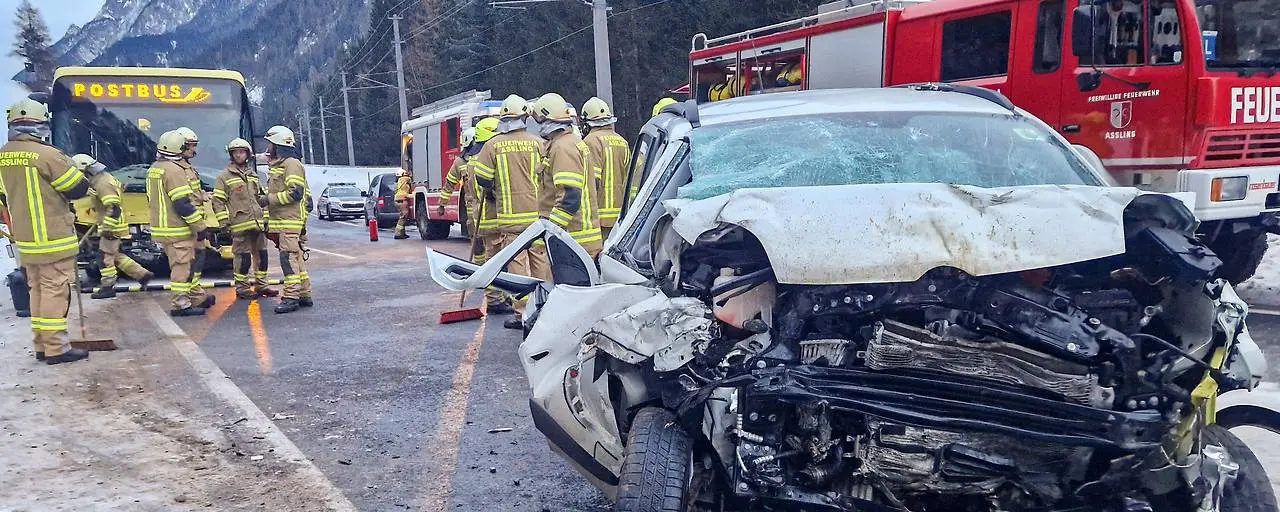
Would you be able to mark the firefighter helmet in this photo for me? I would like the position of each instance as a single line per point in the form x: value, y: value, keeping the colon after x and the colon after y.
x: 486, y: 129
x: 188, y: 134
x: 28, y: 111
x: 514, y: 106
x: 280, y: 136
x: 661, y: 104
x: 468, y: 136
x: 551, y: 106
x: 171, y: 143
x: 595, y: 109
x: 83, y: 161
x: 239, y: 144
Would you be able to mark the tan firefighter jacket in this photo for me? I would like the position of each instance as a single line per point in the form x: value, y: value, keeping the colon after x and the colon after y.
x: 287, y: 194
x: 235, y: 199
x: 508, y: 167
x: 37, y: 183
x: 566, y: 159
x: 107, y: 202
x: 610, y: 161
x: 175, y: 200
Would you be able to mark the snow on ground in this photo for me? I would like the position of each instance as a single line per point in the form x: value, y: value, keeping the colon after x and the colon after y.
x: 1264, y: 288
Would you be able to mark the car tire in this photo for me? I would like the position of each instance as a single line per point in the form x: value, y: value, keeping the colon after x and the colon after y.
x: 1251, y: 490
x: 655, y: 464
x: 422, y: 219
x: 1241, y: 254
x: 328, y: 214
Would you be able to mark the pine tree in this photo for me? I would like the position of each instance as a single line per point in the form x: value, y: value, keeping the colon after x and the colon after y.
x: 32, y: 45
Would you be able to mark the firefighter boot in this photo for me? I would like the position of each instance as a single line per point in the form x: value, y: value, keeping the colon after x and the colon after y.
x: 500, y: 308
x: 209, y: 301
x: 104, y: 292
x: 288, y: 306
x: 514, y: 323
x: 264, y: 291
x: 69, y: 356
x: 146, y: 280
x: 40, y: 356
x: 190, y: 311
x: 306, y: 302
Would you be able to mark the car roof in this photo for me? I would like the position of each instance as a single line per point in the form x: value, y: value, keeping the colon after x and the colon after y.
x: 835, y: 101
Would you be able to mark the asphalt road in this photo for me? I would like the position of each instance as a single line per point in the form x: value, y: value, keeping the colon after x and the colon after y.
x: 396, y: 409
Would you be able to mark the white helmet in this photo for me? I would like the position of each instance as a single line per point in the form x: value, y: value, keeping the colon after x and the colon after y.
x: 280, y: 136
x: 188, y: 134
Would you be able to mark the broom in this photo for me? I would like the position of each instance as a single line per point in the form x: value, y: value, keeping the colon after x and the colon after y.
x: 85, y: 343
x: 465, y: 314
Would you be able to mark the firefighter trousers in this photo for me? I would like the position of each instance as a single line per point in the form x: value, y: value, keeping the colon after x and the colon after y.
x: 249, y: 261
x: 184, y: 276
x: 491, y: 243
x: 114, y: 262
x: 403, y: 206
x: 532, y: 262
x: 50, y: 301
x: 297, y: 282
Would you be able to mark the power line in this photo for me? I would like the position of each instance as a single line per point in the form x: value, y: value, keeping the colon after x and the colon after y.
x: 439, y: 19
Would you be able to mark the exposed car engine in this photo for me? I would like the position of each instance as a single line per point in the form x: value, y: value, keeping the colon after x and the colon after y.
x: 1063, y: 388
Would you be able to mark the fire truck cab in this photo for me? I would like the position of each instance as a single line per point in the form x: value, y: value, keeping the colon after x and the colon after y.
x: 430, y: 142
x: 1172, y: 95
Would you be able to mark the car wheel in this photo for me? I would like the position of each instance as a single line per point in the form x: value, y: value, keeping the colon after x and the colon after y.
x: 328, y: 213
x: 320, y: 215
x: 436, y: 230
x: 1241, y: 254
x: 656, y: 464
x: 1251, y: 490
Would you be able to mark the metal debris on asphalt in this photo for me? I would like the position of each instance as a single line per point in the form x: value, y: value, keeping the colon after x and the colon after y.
x: 499, y: 430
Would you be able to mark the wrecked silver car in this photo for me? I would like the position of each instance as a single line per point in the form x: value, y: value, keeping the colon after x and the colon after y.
x: 876, y: 300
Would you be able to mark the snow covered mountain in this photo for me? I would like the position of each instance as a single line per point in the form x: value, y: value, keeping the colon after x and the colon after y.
x: 122, y: 19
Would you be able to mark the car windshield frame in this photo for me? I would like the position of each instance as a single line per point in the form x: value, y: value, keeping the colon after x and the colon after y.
x: 772, y: 152
x: 1240, y: 34
x: 352, y: 192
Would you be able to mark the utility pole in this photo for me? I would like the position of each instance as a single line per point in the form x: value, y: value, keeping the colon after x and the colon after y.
x: 306, y: 121
x: 346, y: 112
x: 600, y: 29
x: 324, y: 133
x: 404, y: 105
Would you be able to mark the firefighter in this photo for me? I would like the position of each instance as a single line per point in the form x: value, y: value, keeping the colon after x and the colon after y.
x: 106, y: 190
x: 661, y: 104
x: 507, y: 169
x: 482, y: 210
x: 177, y: 223
x: 458, y: 173
x: 286, y: 204
x: 404, y: 194
x: 610, y: 161
x: 39, y: 182
x: 236, y: 198
x: 565, y: 160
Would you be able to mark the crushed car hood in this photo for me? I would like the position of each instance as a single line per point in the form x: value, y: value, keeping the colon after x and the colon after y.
x: 856, y: 234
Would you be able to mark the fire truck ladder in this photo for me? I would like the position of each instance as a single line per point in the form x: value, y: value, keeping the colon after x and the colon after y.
x: 844, y: 9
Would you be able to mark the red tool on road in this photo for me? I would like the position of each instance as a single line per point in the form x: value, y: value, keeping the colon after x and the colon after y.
x: 463, y: 314
x: 373, y: 230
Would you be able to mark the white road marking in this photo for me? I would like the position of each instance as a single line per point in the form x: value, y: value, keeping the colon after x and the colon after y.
x: 221, y: 386
x: 1264, y: 311
x: 322, y: 251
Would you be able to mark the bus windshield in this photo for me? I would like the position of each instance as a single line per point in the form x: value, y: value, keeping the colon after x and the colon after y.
x: 1240, y: 33
x: 118, y: 119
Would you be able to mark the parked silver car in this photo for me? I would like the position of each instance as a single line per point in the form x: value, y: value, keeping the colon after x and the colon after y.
x: 919, y: 298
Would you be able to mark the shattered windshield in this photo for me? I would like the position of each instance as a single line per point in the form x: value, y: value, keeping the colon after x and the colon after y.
x: 1240, y: 33
x: 880, y: 147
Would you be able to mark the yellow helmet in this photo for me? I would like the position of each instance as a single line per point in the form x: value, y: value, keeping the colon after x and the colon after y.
x: 486, y: 129
x: 28, y: 111
x: 188, y: 134
x: 171, y: 143
x: 552, y: 106
x: 595, y: 109
x: 468, y: 136
x: 280, y: 136
x: 514, y: 106
x: 83, y: 161
x: 661, y: 104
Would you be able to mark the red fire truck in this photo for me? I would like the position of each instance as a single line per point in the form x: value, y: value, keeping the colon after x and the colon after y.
x: 1172, y: 95
x: 429, y: 144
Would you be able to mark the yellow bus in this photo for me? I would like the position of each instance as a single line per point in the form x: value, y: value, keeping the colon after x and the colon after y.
x: 116, y: 114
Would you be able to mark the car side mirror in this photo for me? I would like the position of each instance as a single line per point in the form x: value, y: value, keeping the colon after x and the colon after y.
x: 1089, y: 81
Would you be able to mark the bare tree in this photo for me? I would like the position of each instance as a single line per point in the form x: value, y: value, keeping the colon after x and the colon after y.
x: 32, y: 45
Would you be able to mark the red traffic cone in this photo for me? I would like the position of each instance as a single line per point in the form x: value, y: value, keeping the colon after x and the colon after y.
x: 373, y: 230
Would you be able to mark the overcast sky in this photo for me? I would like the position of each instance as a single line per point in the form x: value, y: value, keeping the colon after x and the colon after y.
x: 58, y: 14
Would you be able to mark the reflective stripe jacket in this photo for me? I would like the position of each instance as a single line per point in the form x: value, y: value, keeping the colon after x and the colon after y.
x: 169, y: 185
x: 404, y: 187
x: 36, y: 179
x: 235, y: 199
x: 287, y: 196
x: 566, y: 159
x: 106, y: 200
x: 508, y: 167
x: 610, y: 160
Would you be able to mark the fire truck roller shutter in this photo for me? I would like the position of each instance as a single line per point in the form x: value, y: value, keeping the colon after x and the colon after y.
x: 832, y: 65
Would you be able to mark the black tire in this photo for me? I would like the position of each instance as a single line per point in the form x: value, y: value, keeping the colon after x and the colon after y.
x: 655, y: 464
x: 328, y: 214
x: 1251, y: 490
x: 420, y: 219
x: 436, y: 230
x: 1241, y: 254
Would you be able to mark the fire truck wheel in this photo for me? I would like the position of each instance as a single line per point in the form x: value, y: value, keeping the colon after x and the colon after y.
x: 436, y: 230
x: 1241, y: 255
